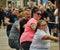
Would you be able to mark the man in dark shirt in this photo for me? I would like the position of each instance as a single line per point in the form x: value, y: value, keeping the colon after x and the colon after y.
x: 9, y: 20
x: 44, y: 14
x: 27, y: 16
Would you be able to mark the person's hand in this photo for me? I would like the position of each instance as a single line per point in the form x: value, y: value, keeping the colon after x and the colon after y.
x: 57, y: 39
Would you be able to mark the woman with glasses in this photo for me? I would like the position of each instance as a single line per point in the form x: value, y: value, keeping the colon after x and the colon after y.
x: 29, y: 31
x: 41, y: 40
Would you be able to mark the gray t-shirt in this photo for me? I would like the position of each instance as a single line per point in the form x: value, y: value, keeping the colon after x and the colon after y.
x: 14, y: 33
x: 38, y: 43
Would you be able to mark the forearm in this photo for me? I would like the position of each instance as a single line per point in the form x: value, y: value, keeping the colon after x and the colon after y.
x: 53, y: 38
x: 33, y: 26
x: 18, y: 28
x: 9, y: 23
x: 47, y: 37
x: 6, y: 21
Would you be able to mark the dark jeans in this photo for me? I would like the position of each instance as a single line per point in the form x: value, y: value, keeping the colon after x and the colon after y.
x: 26, y: 45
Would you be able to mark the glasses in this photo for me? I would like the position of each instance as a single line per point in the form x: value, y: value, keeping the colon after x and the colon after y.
x: 39, y: 14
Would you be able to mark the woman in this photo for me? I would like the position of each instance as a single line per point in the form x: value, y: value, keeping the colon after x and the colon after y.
x: 28, y: 34
x: 15, y: 34
x: 41, y: 40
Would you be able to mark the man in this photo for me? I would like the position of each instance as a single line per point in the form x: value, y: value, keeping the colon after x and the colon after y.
x: 44, y: 13
x: 2, y: 14
x: 27, y: 16
x: 8, y: 10
x: 9, y: 20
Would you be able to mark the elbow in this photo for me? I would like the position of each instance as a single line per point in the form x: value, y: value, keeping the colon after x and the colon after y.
x: 45, y: 38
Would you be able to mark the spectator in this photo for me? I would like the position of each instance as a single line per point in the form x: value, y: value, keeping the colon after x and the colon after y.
x: 32, y: 7
x: 2, y: 15
x: 56, y: 15
x: 8, y: 10
x: 56, y: 20
x: 44, y: 14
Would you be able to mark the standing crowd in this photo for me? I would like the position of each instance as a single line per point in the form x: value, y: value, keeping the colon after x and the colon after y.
x: 30, y: 28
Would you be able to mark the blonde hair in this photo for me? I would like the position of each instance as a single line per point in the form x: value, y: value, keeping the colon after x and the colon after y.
x: 20, y: 15
x: 39, y: 23
x: 26, y: 11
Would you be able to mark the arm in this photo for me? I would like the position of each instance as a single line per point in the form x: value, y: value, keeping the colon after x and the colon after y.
x: 24, y: 26
x: 56, y: 12
x: 6, y: 21
x: 33, y: 26
x: 47, y: 19
x: 17, y: 25
x: 18, y: 28
x: 47, y: 37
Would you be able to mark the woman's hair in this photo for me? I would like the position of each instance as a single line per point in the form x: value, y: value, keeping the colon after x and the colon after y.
x: 20, y: 15
x: 35, y: 9
x: 39, y: 23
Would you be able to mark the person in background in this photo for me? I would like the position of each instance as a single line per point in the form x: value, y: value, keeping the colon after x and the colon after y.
x: 44, y: 13
x: 29, y: 31
x: 8, y: 10
x: 47, y: 15
x: 27, y: 16
x: 56, y: 20
x: 0, y: 17
x: 32, y: 7
x: 56, y: 15
x: 2, y: 14
x: 41, y: 40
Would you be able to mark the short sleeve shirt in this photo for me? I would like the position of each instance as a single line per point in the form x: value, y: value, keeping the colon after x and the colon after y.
x: 12, y: 18
x: 28, y: 33
x: 14, y: 32
x: 38, y: 43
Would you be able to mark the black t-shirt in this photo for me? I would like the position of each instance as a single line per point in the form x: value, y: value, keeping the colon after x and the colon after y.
x: 51, y: 14
x: 12, y: 18
x: 22, y: 23
x: 48, y: 13
x: 8, y: 13
x: 44, y: 15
